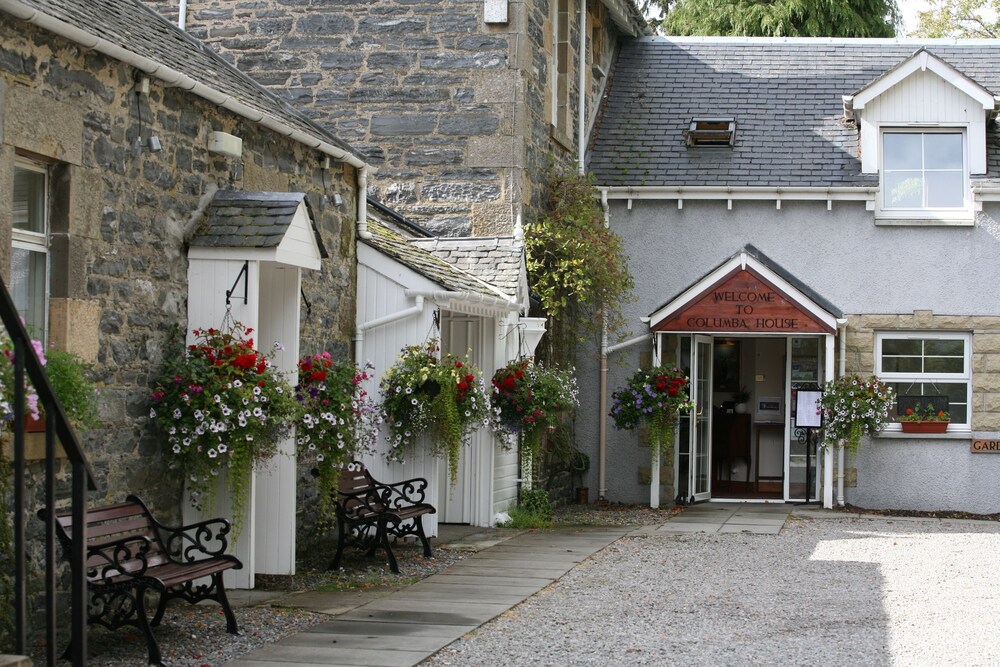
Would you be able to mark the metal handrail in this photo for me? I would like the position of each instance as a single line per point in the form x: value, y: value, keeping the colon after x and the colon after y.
x: 57, y: 426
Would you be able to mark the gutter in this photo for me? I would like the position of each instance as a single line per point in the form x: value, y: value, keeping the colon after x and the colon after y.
x: 172, y: 77
x: 496, y: 302
x: 740, y: 192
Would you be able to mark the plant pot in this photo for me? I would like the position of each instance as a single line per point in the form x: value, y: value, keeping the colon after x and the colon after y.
x: 925, y: 427
x: 740, y: 408
x: 582, y: 495
x: 34, y: 425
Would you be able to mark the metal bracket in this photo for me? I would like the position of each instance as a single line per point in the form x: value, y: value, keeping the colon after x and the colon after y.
x: 245, y: 275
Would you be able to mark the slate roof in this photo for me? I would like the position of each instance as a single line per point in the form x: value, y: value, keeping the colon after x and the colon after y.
x: 786, y: 96
x: 240, y: 219
x: 496, y: 260
x: 429, y: 265
x: 132, y: 26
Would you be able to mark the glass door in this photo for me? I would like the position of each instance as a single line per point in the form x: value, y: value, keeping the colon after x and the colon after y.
x: 701, y: 418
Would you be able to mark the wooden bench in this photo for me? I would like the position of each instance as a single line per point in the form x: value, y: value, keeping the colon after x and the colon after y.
x: 129, y: 553
x: 368, y: 511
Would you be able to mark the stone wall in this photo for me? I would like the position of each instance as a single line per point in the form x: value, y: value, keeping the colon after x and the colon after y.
x: 985, y: 406
x: 453, y: 111
x: 121, y: 220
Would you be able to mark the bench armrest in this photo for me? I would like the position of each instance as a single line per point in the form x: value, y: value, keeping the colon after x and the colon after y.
x: 397, y: 495
x: 204, y: 539
x: 126, y: 556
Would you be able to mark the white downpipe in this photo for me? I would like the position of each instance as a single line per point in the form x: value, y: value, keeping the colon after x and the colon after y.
x: 363, y: 232
x: 654, y: 448
x: 359, y: 333
x: 602, y: 458
x: 842, y: 368
x: 173, y: 78
x: 581, y: 107
x: 182, y: 14
x: 828, y: 451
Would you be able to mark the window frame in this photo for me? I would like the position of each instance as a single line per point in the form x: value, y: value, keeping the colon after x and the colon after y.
x: 937, y: 215
x: 37, y: 242
x: 921, y: 377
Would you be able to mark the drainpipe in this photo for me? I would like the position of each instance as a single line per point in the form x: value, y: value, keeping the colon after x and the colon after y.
x: 182, y: 14
x: 359, y: 333
x: 603, y: 435
x: 363, y: 232
x: 842, y: 370
x: 581, y: 120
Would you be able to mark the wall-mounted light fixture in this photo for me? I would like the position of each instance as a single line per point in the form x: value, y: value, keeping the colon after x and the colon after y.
x: 225, y: 144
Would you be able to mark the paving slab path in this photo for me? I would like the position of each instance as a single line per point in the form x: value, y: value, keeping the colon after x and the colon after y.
x: 409, y: 625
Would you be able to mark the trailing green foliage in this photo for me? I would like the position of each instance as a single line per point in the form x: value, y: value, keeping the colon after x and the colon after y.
x: 339, y: 423
x: 577, y: 266
x: 223, y: 407
x: 781, y: 18
x: 68, y: 376
x: 444, y: 398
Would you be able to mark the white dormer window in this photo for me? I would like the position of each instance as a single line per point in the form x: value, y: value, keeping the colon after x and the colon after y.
x: 924, y: 173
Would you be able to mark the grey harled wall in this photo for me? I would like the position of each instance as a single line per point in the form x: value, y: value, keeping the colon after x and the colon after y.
x: 857, y: 266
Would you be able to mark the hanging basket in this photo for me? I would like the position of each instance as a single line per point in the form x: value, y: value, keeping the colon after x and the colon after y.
x: 925, y: 427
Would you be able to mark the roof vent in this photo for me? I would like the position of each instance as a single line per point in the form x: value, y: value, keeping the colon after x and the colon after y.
x: 712, y: 132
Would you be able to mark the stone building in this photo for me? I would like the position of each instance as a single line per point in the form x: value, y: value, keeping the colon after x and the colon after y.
x: 460, y: 106
x: 118, y: 133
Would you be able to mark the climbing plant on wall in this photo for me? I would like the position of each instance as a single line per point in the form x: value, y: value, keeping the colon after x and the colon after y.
x: 577, y: 266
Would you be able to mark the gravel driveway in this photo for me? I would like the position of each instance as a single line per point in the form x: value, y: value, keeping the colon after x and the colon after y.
x: 844, y: 591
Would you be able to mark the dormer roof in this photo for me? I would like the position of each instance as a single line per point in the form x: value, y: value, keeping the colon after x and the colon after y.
x: 921, y: 61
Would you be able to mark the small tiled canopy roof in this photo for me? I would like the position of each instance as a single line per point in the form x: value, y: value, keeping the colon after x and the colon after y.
x: 238, y: 219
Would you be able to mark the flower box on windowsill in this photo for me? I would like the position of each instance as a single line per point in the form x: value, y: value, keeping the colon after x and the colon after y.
x: 925, y: 427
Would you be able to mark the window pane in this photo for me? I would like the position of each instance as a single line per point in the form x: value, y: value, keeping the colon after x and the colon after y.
x: 945, y: 189
x: 27, y: 287
x: 944, y: 347
x: 904, y: 189
x: 911, y: 346
x: 943, y: 151
x: 901, y: 150
x: 29, y: 200
x: 901, y: 364
x: 944, y: 365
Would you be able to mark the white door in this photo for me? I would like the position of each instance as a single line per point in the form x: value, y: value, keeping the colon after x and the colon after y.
x: 700, y: 481
x: 457, y: 502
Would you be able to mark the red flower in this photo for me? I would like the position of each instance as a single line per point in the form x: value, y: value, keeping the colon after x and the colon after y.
x: 458, y: 364
x: 508, y: 383
x: 909, y: 411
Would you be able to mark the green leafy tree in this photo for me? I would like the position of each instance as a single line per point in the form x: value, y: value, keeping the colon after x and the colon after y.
x: 781, y: 18
x: 960, y: 18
